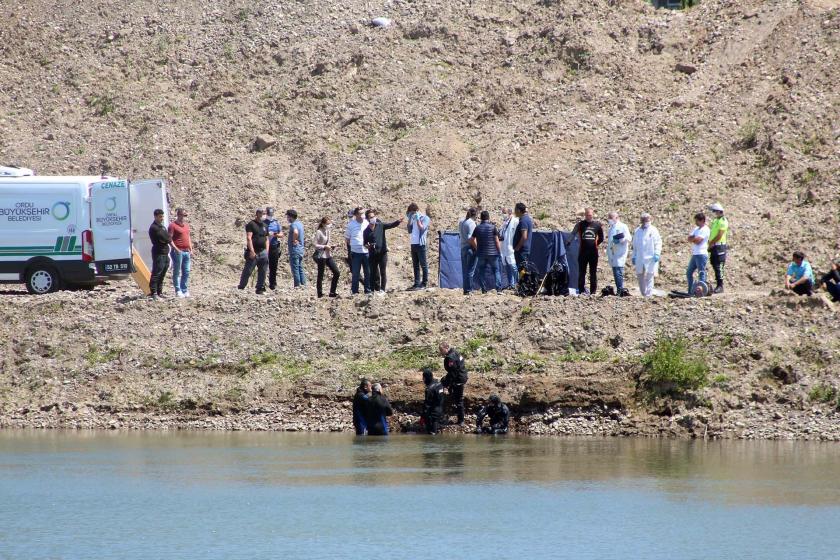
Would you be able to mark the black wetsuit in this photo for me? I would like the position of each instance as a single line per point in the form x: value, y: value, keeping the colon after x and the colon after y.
x: 433, y: 407
x: 499, y: 417
x: 454, y: 380
x: 361, y: 403
x: 377, y: 410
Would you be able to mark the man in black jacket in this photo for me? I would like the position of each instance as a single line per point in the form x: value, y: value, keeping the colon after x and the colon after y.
x: 161, y: 241
x: 377, y: 246
x: 455, y: 379
x: 432, y: 403
x: 499, y: 415
x: 378, y: 410
x: 361, y: 402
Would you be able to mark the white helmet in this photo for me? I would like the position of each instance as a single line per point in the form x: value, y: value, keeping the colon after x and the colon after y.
x: 716, y: 207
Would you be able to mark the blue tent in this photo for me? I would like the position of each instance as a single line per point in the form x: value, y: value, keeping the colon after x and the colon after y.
x: 546, y: 248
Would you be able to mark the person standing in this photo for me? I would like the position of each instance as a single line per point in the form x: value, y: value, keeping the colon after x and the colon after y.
x: 466, y: 227
x: 522, y: 237
x: 456, y: 377
x: 508, y: 231
x: 256, y: 252
x: 432, y: 403
x: 647, y: 249
x: 591, y: 235
x: 296, y: 248
x: 418, y: 229
x: 161, y: 245
x: 181, y: 253
x: 358, y: 252
x: 361, y: 401
x: 718, y: 246
x: 618, y: 241
x: 699, y: 240
x: 275, y: 232
x: 323, y: 257
x: 487, y: 246
x: 800, y: 276
x: 377, y: 245
x: 378, y: 411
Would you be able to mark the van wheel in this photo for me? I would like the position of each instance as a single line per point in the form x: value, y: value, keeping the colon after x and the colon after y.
x: 42, y: 279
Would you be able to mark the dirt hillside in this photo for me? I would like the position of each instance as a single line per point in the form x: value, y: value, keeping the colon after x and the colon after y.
x: 558, y: 104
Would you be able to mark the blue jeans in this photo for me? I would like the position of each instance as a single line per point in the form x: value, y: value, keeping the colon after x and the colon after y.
x: 418, y: 263
x: 698, y: 263
x: 181, y: 265
x: 512, y: 273
x: 493, y: 263
x: 359, y: 261
x: 618, y: 276
x: 468, y: 263
x: 296, y: 264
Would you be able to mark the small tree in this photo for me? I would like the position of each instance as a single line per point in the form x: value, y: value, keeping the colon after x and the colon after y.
x: 670, y: 368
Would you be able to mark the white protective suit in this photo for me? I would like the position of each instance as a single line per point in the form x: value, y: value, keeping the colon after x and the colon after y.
x: 507, y: 231
x: 617, y: 250
x: 647, y: 244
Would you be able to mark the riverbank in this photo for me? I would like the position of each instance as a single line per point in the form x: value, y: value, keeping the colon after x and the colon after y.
x: 228, y: 360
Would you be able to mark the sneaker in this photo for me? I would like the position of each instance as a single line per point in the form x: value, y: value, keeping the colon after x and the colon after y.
x: 153, y: 296
x: 179, y: 294
x: 333, y: 295
x: 187, y: 293
x: 718, y: 290
x: 413, y: 289
x: 161, y: 296
x: 260, y: 292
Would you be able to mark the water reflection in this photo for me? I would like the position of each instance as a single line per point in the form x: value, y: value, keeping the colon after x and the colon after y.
x: 775, y: 473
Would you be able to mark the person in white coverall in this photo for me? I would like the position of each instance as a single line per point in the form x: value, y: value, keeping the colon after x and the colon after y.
x: 647, y: 248
x: 507, y: 230
x: 618, y: 241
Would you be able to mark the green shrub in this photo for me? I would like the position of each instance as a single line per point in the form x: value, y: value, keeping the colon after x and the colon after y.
x: 822, y: 393
x: 670, y: 368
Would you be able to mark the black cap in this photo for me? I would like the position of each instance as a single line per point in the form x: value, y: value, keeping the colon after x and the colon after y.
x: 495, y: 399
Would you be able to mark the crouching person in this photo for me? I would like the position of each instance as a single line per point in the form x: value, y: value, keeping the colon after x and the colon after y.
x: 378, y: 410
x: 800, y: 276
x: 499, y: 415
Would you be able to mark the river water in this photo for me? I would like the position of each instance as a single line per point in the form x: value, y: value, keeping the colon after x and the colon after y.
x: 104, y: 495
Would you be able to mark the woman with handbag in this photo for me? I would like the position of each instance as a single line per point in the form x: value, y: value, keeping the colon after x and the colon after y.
x: 323, y: 256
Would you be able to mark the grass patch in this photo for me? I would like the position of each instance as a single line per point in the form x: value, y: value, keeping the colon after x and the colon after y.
x: 293, y: 368
x: 572, y: 355
x: 412, y: 358
x: 822, y: 393
x: 102, y: 104
x: 669, y: 368
x: 95, y: 355
x: 526, y: 362
x: 265, y: 359
x: 747, y: 136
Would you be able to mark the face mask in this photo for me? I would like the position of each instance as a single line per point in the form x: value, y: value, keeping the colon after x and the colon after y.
x: 372, y: 219
x: 329, y: 226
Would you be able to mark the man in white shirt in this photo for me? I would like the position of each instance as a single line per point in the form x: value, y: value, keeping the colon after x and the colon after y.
x: 647, y: 248
x: 508, y: 230
x: 354, y: 236
x: 618, y: 241
x: 699, y: 240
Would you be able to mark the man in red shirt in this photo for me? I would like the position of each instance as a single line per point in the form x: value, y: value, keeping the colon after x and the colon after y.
x: 181, y: 253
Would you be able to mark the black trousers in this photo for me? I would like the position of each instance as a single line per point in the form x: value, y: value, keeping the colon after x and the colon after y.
x: 432, y: 424
x: 805, y: 289
x: 160, y: 264
x: 590, y: 259
x: 323, y: 264
x: 378, y: 267
x: 273, y: 259
x: 456, y: 398
x: 717, y: 257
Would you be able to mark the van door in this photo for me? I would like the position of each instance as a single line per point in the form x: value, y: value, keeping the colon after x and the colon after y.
x: 146, y: 196
x: 110, y: 219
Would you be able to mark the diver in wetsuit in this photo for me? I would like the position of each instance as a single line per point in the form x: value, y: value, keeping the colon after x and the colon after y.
x: 455, y: 379
x: 499, y: 415
x: 378, y: 410
x: 361, y: 400
x: 432, y: 403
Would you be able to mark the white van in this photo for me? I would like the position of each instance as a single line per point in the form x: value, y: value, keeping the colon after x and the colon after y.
x: 70, y: 232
